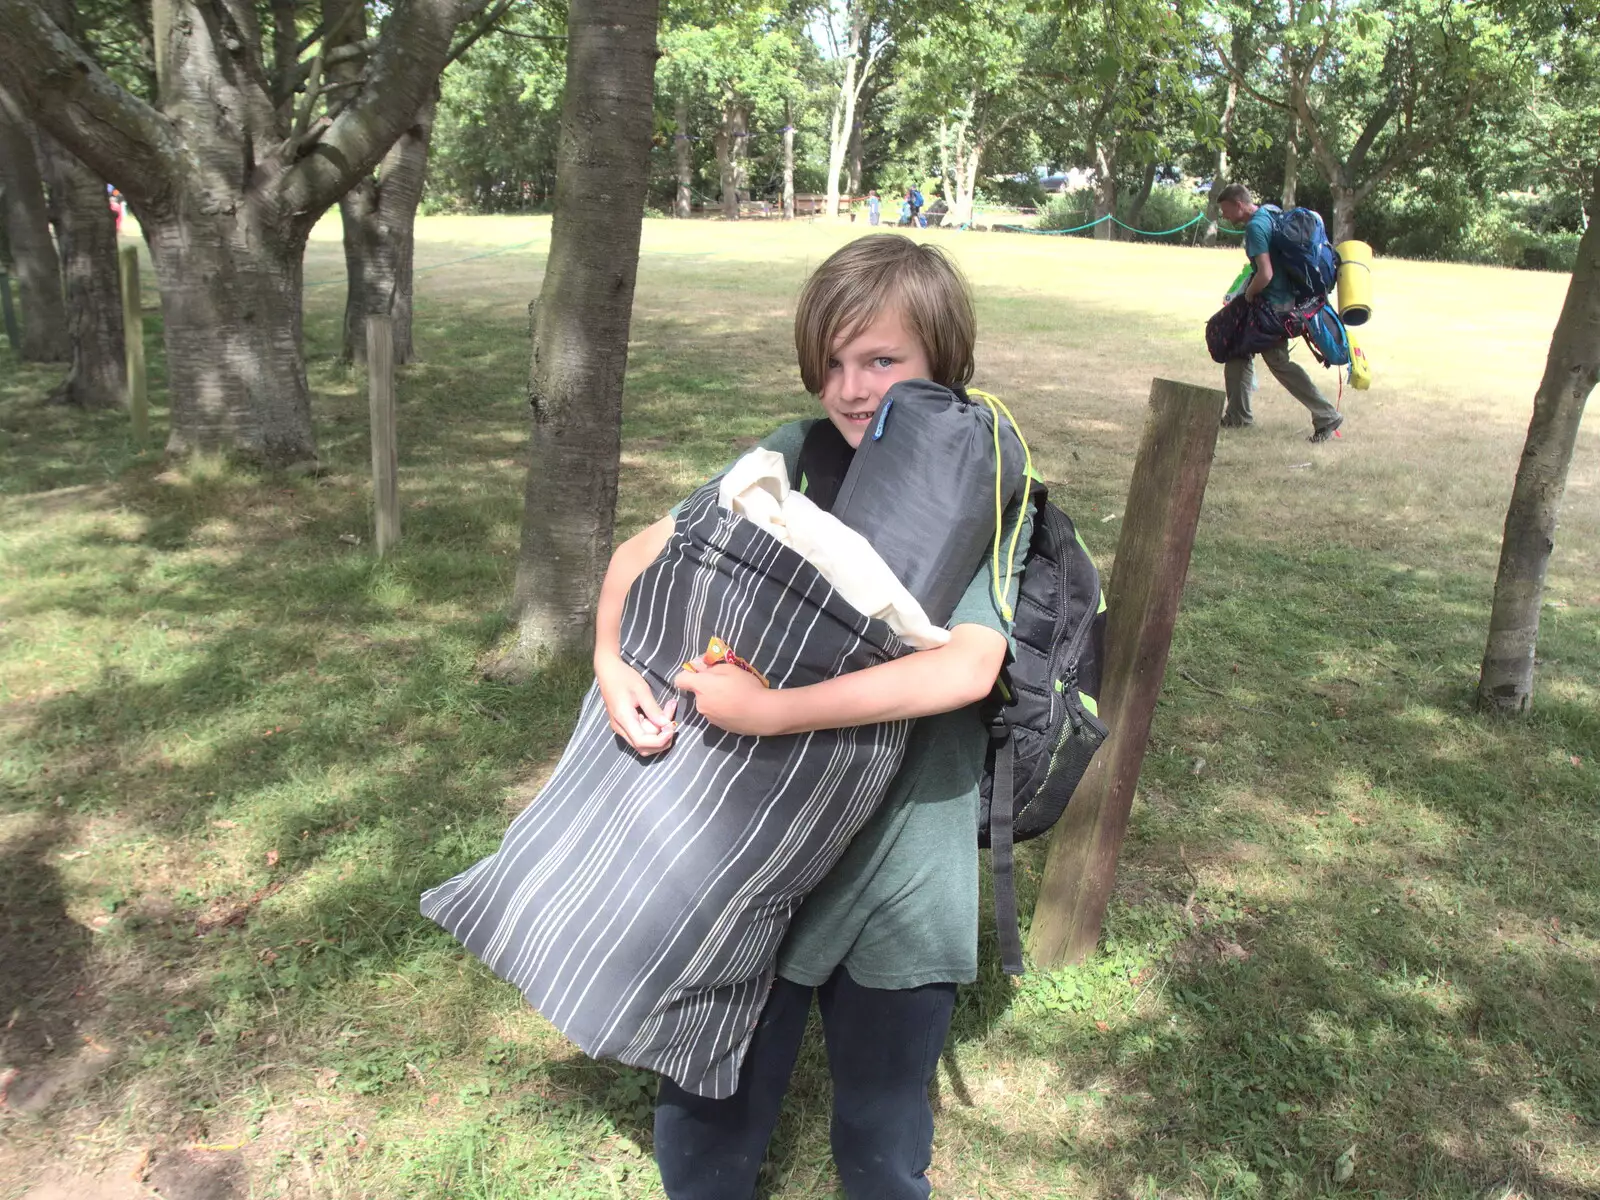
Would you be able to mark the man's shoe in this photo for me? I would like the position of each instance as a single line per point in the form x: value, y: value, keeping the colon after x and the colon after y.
x: 1236, y: 423
x: 1326, y: 432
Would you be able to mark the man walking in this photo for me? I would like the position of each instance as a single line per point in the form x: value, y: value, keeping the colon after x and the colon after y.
x: 1267, y: 286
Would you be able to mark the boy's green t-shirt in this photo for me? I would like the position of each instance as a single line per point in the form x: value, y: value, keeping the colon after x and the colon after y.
x: 900, y: 909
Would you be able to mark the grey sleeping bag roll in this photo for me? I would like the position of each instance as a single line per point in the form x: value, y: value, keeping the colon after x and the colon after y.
x: 921, y: 487
x: 639, y: 902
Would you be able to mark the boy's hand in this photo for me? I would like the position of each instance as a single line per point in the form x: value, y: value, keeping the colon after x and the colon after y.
x: 732, y: 699
x: 635, y: 716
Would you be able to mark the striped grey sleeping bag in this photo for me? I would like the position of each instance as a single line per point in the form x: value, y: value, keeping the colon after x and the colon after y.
x: 639, y: 902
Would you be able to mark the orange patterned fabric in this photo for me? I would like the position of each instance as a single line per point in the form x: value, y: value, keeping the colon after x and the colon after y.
x: 718, y: 651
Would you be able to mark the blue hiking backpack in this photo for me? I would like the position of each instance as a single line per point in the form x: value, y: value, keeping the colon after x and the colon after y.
x: 1301, y: 251
x: 1325, y: 334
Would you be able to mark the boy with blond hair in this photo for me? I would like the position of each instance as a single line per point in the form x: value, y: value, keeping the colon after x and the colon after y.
x: 892, y: 929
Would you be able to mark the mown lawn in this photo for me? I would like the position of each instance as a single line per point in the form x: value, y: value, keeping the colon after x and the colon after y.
x: 1355, y: 947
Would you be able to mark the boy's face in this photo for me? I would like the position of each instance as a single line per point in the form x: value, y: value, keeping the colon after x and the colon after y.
x: 862, y: 368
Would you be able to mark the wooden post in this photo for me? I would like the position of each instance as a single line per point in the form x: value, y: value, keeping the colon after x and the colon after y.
x: 385, y: 447
x: 1158, y: 528
x: 10, y: 314
x: 133, y: 344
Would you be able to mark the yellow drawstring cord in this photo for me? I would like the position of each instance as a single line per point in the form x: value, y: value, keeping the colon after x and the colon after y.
x: 996, y: 407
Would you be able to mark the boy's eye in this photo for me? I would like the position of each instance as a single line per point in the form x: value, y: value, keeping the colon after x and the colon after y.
x: 833, y: 364
x: 883, y: 360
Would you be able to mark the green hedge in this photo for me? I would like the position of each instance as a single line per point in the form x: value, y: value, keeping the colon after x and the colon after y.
x: 1168, y: 207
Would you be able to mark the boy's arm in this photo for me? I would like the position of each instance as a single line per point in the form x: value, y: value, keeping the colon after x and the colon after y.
x: 1262, y: 277
x: 635, y: 716
x: 628, y: 562
x: 918, y: 685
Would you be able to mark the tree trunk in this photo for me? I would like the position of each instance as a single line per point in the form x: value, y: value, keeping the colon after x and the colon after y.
x: 1146, y: 183
x: 968, y: 151
x: 580, y: 337
x: 1291, y: 164
x: 844, y: 107
x: 1105, y: 190
x: 947, y: 177
x: 227, y: 184
x: 968, y: 188
x: 45, y: 335
x: 1219, y: 177
x: 852, y: 181
x: 741, y: 154
x: 230, y: 309
x: 379, y: 217
x: 788, y: 161
x: 1344, y: 213
x: 1506, y: 682
x: 727, y: 169
x: 87, y: 231
x: 680, y: 150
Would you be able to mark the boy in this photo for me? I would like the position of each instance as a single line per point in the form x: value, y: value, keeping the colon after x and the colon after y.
x: 891, y: 931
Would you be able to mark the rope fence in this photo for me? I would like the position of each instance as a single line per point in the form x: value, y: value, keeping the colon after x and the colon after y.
x: 1195, y: 220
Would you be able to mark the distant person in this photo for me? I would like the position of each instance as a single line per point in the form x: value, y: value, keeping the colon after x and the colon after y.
x: 1267, y: 286
x: 914, y: 199
x: 905, y: 211
x: 874, y: 205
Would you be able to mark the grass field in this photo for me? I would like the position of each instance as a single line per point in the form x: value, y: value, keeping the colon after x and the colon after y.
x: 1355, y: 946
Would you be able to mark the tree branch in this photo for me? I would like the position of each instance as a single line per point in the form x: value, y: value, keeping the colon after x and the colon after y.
x: 532, y: 37
x: 332, y: 58
x: 402, y: 73
x: 1404, y: 149
x: 872, y: 57
x: 1239, y: 75
x: 118, y: 135
x: 483, y: 27
x: 1332, y: 168
x: 1369, y: 132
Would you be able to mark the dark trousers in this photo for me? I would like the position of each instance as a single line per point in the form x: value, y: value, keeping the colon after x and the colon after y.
x: 883, y: 1048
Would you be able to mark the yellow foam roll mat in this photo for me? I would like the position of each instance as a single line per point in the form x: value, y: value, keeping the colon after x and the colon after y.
x: 1355, y: 282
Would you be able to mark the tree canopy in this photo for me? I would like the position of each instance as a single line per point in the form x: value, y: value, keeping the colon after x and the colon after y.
x: 1437, y: 128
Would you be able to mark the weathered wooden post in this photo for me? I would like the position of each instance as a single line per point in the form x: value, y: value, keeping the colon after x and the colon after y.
x: 385, y: 445
x: 1158, y: 528
x: 10, y: 314
x: 133, y: 344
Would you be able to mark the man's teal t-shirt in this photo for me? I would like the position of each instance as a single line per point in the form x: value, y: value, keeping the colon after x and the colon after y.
x: 900, y: 909
x: 1257, y: 238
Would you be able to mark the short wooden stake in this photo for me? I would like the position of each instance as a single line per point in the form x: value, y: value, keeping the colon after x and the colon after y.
x: 1158, y: 528
x: 133, y: 343
x: 10, y: 314
x: 385, y: 446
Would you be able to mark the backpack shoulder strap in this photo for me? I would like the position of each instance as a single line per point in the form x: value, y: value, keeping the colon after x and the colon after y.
x: 1002, y: 860
x: 824, y: 459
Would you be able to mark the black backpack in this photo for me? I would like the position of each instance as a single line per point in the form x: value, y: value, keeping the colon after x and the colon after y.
x: 1044, y: 726
x: 1044, y: 722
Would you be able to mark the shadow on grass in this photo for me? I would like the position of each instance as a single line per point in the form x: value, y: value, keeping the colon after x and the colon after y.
x: 45, y: 953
